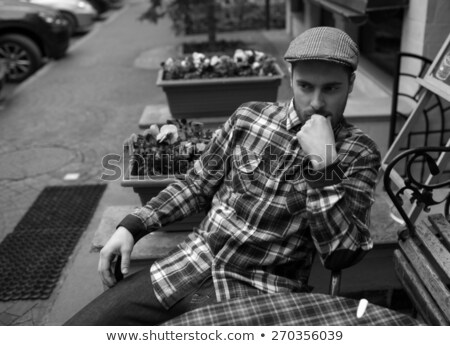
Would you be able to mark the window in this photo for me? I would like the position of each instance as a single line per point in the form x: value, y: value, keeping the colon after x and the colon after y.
x: 380, y: 37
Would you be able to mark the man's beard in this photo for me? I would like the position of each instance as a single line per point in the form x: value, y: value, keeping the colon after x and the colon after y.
x: 306, y: 114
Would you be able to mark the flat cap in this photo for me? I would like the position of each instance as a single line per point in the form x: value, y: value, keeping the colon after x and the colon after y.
x: 324, y: 43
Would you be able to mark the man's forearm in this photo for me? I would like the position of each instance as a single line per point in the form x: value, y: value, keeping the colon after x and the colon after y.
x: 339, y: 213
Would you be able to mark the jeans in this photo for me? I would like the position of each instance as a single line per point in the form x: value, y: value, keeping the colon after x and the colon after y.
x: 133, y: 302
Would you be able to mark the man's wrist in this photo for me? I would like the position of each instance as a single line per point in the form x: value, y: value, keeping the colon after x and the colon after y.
x: 321, y: 163
x: 134, y: 225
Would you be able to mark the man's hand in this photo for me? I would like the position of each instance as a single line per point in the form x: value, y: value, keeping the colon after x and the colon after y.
x: 121, y: 243
x: 316, y: 138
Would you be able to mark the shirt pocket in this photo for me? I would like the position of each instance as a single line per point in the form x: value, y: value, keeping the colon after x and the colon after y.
x: 296, y: 197
x: 246, y: 178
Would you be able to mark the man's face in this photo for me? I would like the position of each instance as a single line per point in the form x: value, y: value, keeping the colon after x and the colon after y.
x: 321, y: 87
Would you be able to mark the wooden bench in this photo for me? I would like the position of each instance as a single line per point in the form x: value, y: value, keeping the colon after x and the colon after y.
x: 422, y: 261
x: 423, y: 266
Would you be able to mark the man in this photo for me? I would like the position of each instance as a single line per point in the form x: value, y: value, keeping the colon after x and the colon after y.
x: 282, y: 181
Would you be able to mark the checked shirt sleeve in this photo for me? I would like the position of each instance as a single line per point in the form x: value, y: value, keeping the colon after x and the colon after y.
x: 340, y: 212
x: 187, y: 196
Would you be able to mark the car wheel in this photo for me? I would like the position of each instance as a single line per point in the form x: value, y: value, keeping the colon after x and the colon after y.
x: 71, y: 21
x: 22, y: 56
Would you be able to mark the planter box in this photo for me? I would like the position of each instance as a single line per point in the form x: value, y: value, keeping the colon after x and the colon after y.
x: 146, y: 188
x: 217, y: 97
x: 149, y: 187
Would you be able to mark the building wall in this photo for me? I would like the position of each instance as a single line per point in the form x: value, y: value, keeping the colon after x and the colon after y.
x: 438, y: 26
x: 414, y: 24
x: 300, y: 16
x: 425, y: 28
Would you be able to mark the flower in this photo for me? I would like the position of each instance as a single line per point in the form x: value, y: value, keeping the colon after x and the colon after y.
x: 168, y: 133
x: 240, y: 56
x: 199, y: 66
x: 170, y: 149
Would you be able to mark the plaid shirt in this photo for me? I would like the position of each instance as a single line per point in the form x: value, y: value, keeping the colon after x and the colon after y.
x: 267, y: 213
x: 292, y: 309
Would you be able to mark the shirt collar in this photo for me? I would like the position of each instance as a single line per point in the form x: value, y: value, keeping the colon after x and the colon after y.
x: 292, y: 119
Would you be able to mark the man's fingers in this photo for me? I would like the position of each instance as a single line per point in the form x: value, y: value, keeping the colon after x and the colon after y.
x: 121, y: 243
x: 104, y: 268
x: 107, y: 278
x: 320, y: 117
x: 125, y: 265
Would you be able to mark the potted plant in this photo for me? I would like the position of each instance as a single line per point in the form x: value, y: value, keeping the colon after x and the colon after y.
x: 162, y: 154
x: 196, y: 92
x: 199, y: 85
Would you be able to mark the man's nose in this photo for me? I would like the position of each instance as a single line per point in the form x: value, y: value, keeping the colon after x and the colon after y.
x: 317, y: 101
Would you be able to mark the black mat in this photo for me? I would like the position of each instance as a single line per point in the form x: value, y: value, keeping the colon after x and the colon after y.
x: 34, y: 254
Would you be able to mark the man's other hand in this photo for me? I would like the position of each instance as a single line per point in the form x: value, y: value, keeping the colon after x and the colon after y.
x: 121, y: 243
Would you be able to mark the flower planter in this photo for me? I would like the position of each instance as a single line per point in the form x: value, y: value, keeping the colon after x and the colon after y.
x: 149, y: 187
x: 159, y: 156
x: 217, y: 97
x: 145, y: 187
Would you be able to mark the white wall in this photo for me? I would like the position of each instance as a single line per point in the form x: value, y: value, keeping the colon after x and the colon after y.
x: 438, y: 26
x: 414, y: 23
x: 426, y: 26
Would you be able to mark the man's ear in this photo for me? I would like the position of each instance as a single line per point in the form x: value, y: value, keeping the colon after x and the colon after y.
x: 291, y: 74
x: 352, y: 81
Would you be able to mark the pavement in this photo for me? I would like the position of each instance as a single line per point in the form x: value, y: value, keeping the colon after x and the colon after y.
x: 68, y: 116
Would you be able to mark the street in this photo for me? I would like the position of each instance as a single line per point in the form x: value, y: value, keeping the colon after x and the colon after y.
x: 74, y: 111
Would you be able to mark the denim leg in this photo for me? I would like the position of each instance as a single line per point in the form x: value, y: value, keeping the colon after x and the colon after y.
x: 130, y: 302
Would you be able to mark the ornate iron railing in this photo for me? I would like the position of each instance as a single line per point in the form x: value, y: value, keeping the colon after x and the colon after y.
x: 418, y: 191
x: 434, y: 131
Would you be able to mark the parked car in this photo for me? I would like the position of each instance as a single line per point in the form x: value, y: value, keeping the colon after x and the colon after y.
x: 101, y: 6
x: 80, y: 14
x: 28, y: 34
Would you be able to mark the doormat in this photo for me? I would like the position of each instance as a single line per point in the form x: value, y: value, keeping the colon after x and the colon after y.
x: 34, y: 254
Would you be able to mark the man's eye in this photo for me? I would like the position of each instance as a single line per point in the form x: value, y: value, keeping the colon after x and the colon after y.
x: 304, y: 86
x: 332, y: 88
